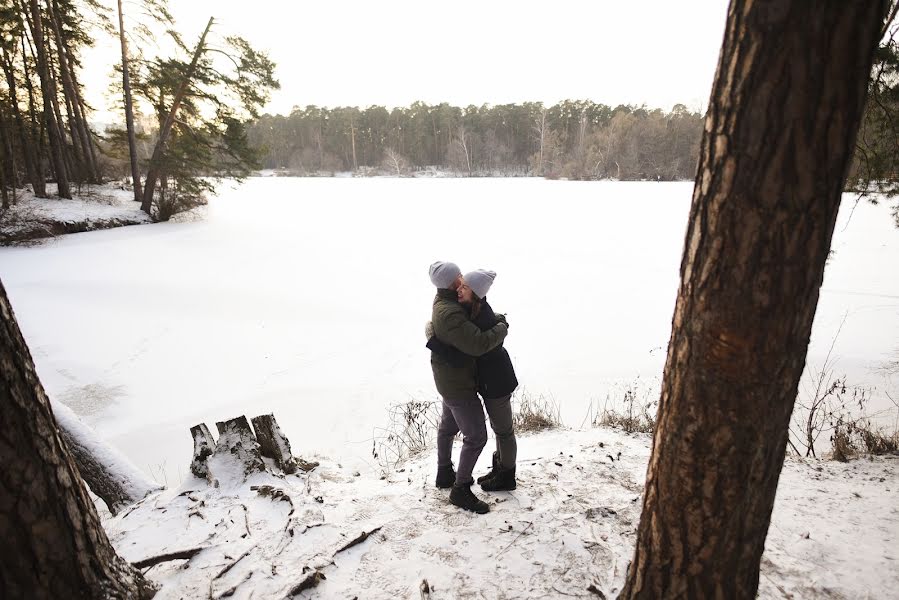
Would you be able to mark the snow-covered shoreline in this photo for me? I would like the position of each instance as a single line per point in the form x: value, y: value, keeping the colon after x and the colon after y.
x: 569, y: 525
x: 92, y: 208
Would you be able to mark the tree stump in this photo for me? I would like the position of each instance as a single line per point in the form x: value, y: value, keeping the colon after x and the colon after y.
x: 273, y: 443
x: 203, y: 447
x: 236, y: 441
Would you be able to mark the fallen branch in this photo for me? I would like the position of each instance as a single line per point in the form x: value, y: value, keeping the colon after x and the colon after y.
x: 362, y: 537
x: 308, y: 582
x: 179, y: 555
x: 530, y: 524
x: 231, y: 565
x: 230, y: 591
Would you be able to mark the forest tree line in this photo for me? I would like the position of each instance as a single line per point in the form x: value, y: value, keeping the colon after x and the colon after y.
x: 576, y: 139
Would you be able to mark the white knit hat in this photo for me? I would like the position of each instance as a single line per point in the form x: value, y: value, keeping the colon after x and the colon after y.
x: 443, y: 274
x: 480, y: 281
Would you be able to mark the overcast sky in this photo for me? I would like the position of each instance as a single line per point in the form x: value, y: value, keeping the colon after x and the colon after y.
x: 356, y: 52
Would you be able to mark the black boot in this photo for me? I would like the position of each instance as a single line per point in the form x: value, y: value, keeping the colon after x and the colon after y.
x: 503, y: 480
x: 446, y: 477
x: 464, y: 498
x: 493, y: 468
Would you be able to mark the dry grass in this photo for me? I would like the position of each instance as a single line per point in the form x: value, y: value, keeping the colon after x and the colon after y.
x: 633, y: 412
x: 535, y: 413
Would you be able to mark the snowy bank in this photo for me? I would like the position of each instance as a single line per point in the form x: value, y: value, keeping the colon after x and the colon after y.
x: 570, y: 525
x: 94, y: 207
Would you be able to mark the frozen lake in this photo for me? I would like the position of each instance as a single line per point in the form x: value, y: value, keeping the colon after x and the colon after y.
x: 308, y: 297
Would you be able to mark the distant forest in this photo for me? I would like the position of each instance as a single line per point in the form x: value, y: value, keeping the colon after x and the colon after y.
x: 572, y: 139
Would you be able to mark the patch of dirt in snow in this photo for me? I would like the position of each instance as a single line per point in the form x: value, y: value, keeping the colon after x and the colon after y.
x: 571, y: 523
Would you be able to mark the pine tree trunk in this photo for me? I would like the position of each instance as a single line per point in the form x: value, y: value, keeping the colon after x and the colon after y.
x: 53, y: 543
x: 81, y: 141
x: 29, y: 151
x: 48, y: 90
x: 784, y: 111
x: 165, y: 130
x: 129, y: 109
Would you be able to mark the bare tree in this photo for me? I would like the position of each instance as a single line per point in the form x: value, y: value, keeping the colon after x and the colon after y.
x: 767, y: 192
x: 541, y: 129
x: 395, y: 161
x: 459, y: 152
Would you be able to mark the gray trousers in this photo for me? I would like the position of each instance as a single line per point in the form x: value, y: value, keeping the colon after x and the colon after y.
x: 463, y: 414
x: 500, y: 412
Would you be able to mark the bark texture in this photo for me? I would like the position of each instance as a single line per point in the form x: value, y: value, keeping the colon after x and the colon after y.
x: 784, y: 111
x: 273, y: 443
x: 203, y: 446
x: 53, y: 543
x: 104, y: 469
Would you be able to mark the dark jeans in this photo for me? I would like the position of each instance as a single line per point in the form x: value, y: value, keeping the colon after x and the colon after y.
x: 466, y: 415
x: 500, y: 412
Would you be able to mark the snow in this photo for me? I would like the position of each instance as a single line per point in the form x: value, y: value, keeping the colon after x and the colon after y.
x: 92, y: 204
x: 305, y: 297
x: 571, y: 523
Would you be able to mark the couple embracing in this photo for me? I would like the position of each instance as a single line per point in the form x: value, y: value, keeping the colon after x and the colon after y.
x: 466, y: 338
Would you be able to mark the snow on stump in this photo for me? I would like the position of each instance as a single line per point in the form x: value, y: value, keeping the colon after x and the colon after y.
x: 106, y: 471
x: 236, y: 447
x: 273, y: 443
x: 203, y: 446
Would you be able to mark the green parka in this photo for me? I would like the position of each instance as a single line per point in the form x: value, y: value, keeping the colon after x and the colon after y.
x: 453, y: 326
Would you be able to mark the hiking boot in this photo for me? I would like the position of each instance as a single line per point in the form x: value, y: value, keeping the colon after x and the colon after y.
x: 493, y: 468
x: 502, y: 481
x: 446, y: 477
x: 464, y: 498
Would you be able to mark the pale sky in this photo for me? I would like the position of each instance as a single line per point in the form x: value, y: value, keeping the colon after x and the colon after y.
x: 356, y: 52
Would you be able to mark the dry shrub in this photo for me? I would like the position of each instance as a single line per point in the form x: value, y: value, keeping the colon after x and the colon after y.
x: 411, y: 430
x: 535, y: 413
x: 637, y: 413
x: 853, y: 438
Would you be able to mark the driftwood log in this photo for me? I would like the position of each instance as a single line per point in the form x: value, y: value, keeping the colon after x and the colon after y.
x: 104, y: 469
x: 273, y: 443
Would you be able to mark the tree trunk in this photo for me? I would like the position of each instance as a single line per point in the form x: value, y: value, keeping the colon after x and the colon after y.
x: 273, y: 443
x: 784, y: 111
x: 81, y: 141
x: 203, y: 447
x: 75, y: 166
x: 29, y: 152
x: 48, y: 89
x: 129, y: 109
x: 153, y: 171
x: 106, y: 471
x: 53, y: 543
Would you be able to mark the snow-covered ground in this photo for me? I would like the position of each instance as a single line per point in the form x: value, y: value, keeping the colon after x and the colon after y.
x: 308, y: 297
x: 91, y: 207
x: 569, y: 525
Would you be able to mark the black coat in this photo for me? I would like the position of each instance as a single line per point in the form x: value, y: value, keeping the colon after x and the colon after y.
x: 496, y: 377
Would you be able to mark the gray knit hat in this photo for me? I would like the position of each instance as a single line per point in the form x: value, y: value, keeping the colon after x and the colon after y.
x: 480, y: 281
x: 443, y: 274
